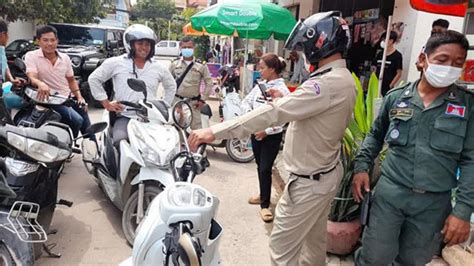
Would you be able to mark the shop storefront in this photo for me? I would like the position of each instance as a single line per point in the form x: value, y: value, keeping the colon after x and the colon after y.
x: 367, y: 20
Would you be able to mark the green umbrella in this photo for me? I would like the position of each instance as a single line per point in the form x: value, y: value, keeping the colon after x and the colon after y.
x: 251, y: 19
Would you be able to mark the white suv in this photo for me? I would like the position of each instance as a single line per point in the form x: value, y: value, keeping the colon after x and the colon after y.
x: 167, y: 48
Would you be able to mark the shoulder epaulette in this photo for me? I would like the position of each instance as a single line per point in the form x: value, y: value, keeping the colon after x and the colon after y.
x: 402, y: 87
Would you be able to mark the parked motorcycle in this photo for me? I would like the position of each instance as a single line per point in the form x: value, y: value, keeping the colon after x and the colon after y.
x: 179, y: 228
x: 32, y: 160
x: 19, y: 229
x: 239, y: 150
x: 134, y: 174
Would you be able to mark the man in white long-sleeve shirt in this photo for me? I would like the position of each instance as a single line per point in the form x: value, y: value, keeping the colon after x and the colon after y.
x: 138, y: 63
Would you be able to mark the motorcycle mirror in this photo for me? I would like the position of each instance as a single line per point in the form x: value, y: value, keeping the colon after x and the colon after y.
x: 96, y: 128
x: 182, y: 114
x: 137, y: 85
x: 20, y: 64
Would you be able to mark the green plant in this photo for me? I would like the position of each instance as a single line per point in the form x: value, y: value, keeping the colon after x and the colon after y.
x: 344, y: 208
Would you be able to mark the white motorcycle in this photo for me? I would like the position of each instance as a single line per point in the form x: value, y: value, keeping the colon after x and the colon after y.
x: 179, y: 228
x: 239, y: 150
x: 133, y: 176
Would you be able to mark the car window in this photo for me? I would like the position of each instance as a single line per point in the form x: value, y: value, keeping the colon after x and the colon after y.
x: 119, y: 38
x: 74, y: 35
x: 110, y: 36
x: 173, y: 44
x: 163, y: 44
x: 15, y: 45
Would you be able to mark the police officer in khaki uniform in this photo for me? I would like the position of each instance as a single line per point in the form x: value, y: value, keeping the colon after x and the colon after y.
x: 429, y: 128
x: 190, y: 79
x: 319, y: 112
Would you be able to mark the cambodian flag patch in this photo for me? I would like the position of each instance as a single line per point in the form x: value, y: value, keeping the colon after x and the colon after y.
x: 455, y: 110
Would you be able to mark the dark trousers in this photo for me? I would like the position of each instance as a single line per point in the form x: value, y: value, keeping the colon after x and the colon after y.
x: 404, y: 226
x: 265, y: 152
x: 70, y: 117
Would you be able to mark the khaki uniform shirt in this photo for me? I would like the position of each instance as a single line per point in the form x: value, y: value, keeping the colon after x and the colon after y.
x: 319, y: 111
x: 426, y: 144
x: 190, y: 87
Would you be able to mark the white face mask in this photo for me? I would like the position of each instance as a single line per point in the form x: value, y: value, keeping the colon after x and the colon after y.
x: 440, y: 76
x: 382, y: 44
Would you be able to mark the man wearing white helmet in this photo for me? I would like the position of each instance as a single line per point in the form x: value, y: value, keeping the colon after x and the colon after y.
x: 139, y: 41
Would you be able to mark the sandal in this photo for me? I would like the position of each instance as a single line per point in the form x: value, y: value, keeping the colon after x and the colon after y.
x: 266, y: 215
x: 254, y: 200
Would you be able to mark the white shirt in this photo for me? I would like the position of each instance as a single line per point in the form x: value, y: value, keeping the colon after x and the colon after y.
x: 255, y: 99
x: 120, y: 69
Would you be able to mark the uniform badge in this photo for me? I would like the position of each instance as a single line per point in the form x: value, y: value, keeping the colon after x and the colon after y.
x: 395, y: 134
x: 402, y: 105
x: 455, y: 110
x: 452, y: 96
x: 313, y: 85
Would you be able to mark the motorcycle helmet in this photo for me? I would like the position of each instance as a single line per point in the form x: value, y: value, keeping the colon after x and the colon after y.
x: 139, y: 32
x: 320, y: 36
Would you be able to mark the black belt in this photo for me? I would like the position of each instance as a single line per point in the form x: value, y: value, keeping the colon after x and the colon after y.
x: 195, y: 98
x: 315, y: 176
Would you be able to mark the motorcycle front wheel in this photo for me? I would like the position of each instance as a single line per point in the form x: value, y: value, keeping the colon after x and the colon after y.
x: 129, y: 215
x: 5, y: 256
x: 240, y: 150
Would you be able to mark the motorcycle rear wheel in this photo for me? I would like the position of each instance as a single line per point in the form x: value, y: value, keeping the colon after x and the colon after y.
x: 239, y: 150
x: 129, y: 224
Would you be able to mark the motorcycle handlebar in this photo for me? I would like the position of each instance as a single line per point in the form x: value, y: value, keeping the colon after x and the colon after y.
x: 131, y: 104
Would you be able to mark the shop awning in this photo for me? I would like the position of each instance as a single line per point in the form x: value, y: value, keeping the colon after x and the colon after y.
x: 445, y: 7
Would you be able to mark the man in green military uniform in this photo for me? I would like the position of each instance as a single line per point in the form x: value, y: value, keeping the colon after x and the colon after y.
x: 188, y: 74
x: 429, y: 128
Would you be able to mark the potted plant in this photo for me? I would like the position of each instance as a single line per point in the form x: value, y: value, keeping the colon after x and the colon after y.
x: 344, y: 228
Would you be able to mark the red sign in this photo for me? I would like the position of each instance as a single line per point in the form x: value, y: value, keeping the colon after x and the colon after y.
x: 445, y: 7
x: 468, y: 72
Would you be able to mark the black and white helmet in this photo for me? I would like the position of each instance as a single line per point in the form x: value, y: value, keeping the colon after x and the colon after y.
x: 321, y: 35
x: 139, y: 32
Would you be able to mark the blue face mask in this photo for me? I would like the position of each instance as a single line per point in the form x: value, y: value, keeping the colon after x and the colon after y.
x: 187, y: 52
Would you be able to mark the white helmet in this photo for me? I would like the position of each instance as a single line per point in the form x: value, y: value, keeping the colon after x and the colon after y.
x: 139, y: 32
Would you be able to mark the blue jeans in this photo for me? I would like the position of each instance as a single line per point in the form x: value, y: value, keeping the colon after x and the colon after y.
x: 70, y: 117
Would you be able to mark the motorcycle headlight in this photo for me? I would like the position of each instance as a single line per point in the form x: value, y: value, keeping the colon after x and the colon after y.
x: 185, y: 195
x: 180, y: 196
x: 37, y: 150
x: 20, y: 168
x: 149, y: 147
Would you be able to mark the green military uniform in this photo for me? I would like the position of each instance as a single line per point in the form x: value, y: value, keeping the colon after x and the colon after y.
x: 190, y: 87
x: 413, y: 196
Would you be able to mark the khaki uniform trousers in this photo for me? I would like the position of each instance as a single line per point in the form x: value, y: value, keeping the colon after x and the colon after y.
x: 299, y: 229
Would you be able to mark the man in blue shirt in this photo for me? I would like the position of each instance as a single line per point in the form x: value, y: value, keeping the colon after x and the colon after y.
x: 11, y: 100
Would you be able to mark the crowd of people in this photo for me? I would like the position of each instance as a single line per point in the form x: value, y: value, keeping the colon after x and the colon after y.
x: 426, y: 124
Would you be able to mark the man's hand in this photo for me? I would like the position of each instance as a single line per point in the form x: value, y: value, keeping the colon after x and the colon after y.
x: 43, y: 91
x: 260, y: 135
x: 274, y: 93
x: 455, y: 230
x: 113, y: 106
x: 199, y: 104
x: 18, y: 82
x: 82, y: 103
x: 359, y: 181
x: 200, y: 136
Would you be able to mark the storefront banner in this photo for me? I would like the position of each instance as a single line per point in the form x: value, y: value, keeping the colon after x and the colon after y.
x: 445, y: 7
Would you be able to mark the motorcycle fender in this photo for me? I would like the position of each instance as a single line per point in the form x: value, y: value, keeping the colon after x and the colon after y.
x: 154, y: 173
x: 127, y: 157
